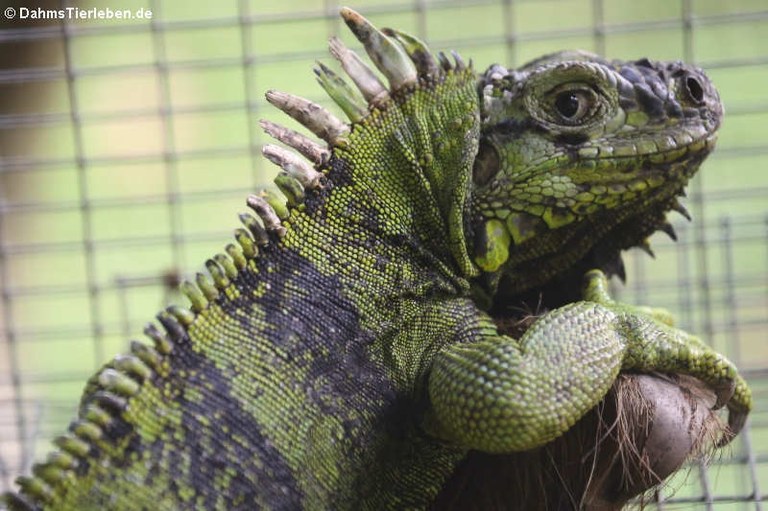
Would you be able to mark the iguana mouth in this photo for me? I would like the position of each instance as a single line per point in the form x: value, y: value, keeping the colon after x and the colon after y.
x: 669, y: 151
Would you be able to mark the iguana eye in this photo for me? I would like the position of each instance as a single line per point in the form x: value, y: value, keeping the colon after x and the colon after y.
x: 567, y: 104
x: 572, y: 105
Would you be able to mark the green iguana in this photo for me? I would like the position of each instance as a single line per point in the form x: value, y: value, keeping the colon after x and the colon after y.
x: 340, y: 355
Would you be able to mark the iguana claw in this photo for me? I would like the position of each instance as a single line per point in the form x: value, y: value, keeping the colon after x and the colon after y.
x: 723, y: 393
x: 739, y: 406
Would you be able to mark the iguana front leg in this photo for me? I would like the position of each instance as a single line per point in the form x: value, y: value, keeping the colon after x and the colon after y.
x: 496, y: 394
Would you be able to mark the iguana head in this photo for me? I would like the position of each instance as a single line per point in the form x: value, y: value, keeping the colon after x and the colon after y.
x: 581, y: 157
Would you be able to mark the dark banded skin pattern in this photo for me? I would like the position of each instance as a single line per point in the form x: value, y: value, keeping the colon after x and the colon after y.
x: 340, y: 354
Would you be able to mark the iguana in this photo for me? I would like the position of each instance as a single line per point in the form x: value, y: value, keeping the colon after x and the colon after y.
x: 340, y: 354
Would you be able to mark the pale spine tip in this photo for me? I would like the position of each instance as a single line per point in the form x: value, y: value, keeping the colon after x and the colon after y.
x: 362, y: 75
x: 236, y: 253
x: 349, y: 100
x: 118, y: 382
x: 206, y: 286
x: 196, y: 298
x: 247, y: 244
x: 161, y: 343
x: 312, y: 151
x: 146, y: 354
x: 293, y: 165
x: 290, y: 187
x: 183, y: 315
x: 226, y: 263
x: 390, y: 58
x: 258, y: 232
x: 417, y: 50
x: 220, y: 279
x: 317, y: 119
x: 266, y: 211
x: 133, y: 365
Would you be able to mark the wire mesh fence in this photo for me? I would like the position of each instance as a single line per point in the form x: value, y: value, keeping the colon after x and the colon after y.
x: 127, y: 145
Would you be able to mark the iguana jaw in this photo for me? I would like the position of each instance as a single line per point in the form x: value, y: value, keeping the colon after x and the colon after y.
x: 551, y: 189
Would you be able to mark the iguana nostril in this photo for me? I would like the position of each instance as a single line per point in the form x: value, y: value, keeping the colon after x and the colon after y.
x: 694, y: 89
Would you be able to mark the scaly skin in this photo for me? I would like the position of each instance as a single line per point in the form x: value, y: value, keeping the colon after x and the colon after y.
x: 339, y: 358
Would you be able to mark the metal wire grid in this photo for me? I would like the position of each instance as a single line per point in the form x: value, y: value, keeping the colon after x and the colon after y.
x: 715, y: 278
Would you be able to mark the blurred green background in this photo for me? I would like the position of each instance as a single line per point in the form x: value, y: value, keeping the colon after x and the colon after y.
x: 128, y: 147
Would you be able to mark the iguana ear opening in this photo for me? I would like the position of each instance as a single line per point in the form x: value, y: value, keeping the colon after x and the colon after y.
x: 487, y: 163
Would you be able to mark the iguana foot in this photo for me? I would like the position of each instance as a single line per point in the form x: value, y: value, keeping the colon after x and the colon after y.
x: 493, y: 393
x: 677, y: 352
